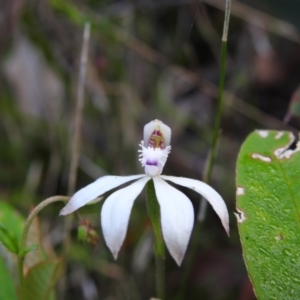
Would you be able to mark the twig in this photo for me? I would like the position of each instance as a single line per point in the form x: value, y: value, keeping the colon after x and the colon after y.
x: 79, y: 108
x: 75, y: 145
x: 214, y: 144
x: 260, y: 19
x: 211, y: 156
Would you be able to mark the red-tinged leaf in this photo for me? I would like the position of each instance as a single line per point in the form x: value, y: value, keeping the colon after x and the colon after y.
x: 42, y: 278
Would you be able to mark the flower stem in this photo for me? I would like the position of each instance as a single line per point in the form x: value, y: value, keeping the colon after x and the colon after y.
x: 216, y: 134
x: 22, y: 245
x: 21, y: 279
x: 160, y: 277
x: 211, y: 156
x: 159, y: 247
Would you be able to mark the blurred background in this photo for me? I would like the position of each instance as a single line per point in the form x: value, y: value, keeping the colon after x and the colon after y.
x: 147, y: 59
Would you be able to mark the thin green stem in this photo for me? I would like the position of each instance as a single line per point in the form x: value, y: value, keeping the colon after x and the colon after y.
x: 160, y: 276
x: 34, y: 213
x: 211, y: 157
x: 21, y: 279
x: 216, y: 133
x: 159, y: 247
x: 22, y: 245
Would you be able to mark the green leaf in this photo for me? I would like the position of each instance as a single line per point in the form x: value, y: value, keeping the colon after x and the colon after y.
x: 8, y: 239
x: 7, y: 290
x: 41, y: 279
x: 268, y: 212
x: 11, y: 219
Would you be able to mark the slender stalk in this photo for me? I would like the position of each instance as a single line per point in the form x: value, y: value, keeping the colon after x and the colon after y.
x: 22, y: 245
x: 211, y: 157
x: 22, y: 291
x: 160, y: 276
x: 216, y: 133
x: 75, y: 144
x: 79, y: 109
x: 159, y: 247
x: 34, y: 213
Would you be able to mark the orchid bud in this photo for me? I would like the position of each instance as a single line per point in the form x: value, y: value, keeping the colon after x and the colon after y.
x: 87, y: 234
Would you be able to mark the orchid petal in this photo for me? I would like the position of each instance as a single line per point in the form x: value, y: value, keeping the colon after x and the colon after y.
x: 177, y: 218
x: 95, y: 189
x: 213, y: 197
x: 116, y: 212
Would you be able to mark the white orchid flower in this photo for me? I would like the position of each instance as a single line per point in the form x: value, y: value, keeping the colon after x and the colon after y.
x: 176, y: 210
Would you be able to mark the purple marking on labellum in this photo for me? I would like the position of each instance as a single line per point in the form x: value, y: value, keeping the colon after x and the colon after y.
x: 151, y: 162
